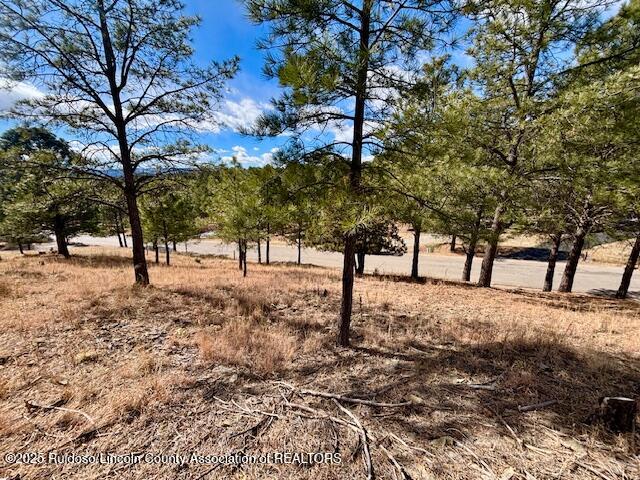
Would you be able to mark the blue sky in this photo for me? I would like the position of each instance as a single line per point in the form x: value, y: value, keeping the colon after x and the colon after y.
x: 226, y: 31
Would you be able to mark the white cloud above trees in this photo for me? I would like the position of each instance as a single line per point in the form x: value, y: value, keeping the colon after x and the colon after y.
x: 245, y: 159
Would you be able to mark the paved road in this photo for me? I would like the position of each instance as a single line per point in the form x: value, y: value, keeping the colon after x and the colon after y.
x: 591, y: 277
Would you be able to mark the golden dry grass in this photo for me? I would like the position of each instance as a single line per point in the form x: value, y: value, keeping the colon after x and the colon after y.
x: 193, y: 364
x: 249, y: 344
x: 614, y: 252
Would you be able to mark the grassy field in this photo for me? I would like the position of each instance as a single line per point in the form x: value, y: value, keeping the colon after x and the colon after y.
x: 209, y: 362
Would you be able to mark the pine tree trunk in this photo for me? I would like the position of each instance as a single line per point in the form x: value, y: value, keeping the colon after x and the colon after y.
x: 416, y: 252
x: 117, y: 224
x: 452, y: 245
x: 259, y: 252
x: 239, y: 254
x: 61, y: 240
x: 139, y: 261
x: 299, y: 247
x: 268, y: 244
x: 63, y: 247
x: 628, y: 269
x: 551, y: 264
x: 175, y: 247
x: 347, y: 291
x: 566, y: 285
x: 20, y: 248
x: 355, y: 172
x: 486, y: 271
x: 360, y: 256
x: 157, y: 251
x: 468, y: 263
x: 471, y: 248
x: 120, y: 229
x: 141, y: 273
x: 166, y: 241
x: 244, y: 258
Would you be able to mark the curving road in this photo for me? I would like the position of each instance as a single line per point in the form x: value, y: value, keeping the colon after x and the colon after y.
x: 595, y: 278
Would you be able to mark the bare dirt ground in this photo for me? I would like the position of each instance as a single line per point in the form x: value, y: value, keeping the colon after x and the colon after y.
x: 207, y: 362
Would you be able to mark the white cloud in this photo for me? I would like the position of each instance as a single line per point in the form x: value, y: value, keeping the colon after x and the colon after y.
x: 95, y: 152
x: 241, y: 155
x: 12, y: 92
x: 237, y: 115
x: 268, y: 156
x: 233, y: 115
x: 344, y: 133
x: 462, y: 59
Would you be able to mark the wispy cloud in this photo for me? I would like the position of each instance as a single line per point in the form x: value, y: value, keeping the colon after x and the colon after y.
x: 12, y: 92
x: 241, y: 155
x: 236, y: 115
x: 233, y: 114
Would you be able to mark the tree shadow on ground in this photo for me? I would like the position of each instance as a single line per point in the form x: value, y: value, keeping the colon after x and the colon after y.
x: 540, y: 254
x: 419, y: 280
x: 608, y: 293
x: 88, y: 261
x: 577, y: 302
x: 473, y: 384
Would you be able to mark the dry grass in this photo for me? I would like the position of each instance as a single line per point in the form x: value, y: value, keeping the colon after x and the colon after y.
x: 614, y: 252
x: 4, y: 290
x: 245, y: 343
x: 193, y: 364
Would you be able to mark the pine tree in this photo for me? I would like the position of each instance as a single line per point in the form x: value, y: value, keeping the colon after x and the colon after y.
x: 119, y: 76
x: 338, y: 61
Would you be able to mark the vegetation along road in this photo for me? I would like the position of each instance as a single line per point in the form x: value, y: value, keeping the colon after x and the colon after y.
x: 595, y: 278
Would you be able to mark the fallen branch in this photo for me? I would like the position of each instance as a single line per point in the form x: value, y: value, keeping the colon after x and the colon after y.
x: 253, y: 430
x: 359, y: 401
x: 342, y: 398
x: 536, y: 406
x: 488, y: 385
x: 395, y: 463
x: 518, y: 440
x: 365, y: 441
x: 246, y: 411
x: 323, y: 415
x: 364, y: 435
x: 592, y: 470
x: 480, y: 386
x: 36, y: 406
x: 409, y: 447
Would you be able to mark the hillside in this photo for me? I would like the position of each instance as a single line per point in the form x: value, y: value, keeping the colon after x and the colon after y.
x: 207, y: 362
